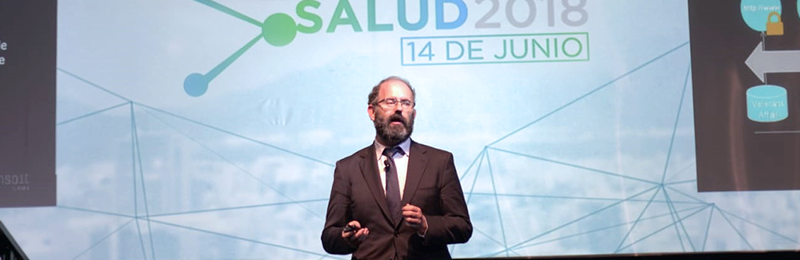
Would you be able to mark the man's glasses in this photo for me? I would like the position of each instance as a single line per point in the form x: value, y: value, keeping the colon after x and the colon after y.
x: 390, y: 103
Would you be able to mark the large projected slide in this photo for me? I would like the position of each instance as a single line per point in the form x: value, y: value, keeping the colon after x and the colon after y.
x: 210, y: 129
x: 746, y: 94
x: 27, y: 104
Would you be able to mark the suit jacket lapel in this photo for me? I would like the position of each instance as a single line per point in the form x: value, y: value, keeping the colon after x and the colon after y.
x: 417, y: 161
x: 369, y: 169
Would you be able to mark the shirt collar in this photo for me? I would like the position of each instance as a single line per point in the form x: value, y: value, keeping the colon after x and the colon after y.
x: 405, y: 145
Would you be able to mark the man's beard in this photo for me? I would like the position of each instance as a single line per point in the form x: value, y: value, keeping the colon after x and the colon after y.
x: 393, y: 134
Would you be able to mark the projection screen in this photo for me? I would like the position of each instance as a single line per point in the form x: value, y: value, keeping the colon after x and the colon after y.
x: 210, y: 129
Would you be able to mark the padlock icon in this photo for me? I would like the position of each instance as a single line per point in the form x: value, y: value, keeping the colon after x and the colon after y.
x: 774, y: 28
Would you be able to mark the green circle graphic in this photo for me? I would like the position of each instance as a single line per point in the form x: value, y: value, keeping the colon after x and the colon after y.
x: 279, y: 29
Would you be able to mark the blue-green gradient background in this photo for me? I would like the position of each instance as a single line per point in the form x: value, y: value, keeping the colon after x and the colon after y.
x: 593, y: 157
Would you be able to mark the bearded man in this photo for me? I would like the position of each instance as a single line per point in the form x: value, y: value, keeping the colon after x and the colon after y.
x: 395, y: 199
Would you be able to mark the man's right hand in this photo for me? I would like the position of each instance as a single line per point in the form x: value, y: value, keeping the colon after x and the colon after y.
x: 357, y: 236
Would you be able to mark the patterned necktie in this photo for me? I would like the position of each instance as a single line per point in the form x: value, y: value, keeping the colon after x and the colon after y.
x: 392, y: 184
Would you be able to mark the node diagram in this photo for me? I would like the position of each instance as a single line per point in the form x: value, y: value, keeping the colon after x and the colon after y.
x: 278, y: 30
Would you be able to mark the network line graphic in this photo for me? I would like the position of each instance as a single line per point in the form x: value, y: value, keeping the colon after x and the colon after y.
x: 142, y: 218
x: 278, y: 30
x: 661, y: 194
x: 662, y: 205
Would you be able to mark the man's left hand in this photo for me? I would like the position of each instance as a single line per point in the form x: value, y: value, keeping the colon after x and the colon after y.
x: 415, y: 219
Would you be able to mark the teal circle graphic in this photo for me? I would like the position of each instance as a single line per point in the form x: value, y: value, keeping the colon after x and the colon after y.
x: 756, y: 12
x: 195, y: 84
x: 279, y: 29
x: 767, y: 103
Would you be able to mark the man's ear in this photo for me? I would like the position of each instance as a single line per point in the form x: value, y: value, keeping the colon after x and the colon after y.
x: 371, y: 112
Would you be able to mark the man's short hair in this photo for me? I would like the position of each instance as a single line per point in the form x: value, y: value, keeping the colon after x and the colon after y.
x: 372, y: 99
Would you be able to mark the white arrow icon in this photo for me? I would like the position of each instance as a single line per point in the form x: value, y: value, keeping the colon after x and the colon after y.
x: 762, y: 62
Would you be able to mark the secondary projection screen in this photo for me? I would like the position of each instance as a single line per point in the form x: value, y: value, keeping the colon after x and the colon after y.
x: 209, y: 129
